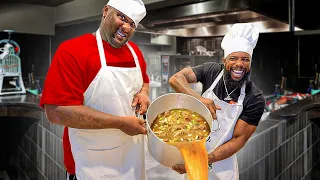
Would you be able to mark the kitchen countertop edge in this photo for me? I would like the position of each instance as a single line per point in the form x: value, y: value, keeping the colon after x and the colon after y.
x: 293, y: 110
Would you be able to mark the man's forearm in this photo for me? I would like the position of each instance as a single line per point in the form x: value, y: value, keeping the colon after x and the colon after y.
x: 81, y: 117
x: 226, y: 150
x: 180, y: 84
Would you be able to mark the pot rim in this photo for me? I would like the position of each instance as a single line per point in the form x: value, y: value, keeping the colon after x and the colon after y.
x: 169, y: 145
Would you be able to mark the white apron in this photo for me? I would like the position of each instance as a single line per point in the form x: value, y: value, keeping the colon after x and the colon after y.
x: 110, y: 153
x: 227, y: 117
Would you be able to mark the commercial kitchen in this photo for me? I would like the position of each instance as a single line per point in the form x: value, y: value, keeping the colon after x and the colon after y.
x: 173, y: 35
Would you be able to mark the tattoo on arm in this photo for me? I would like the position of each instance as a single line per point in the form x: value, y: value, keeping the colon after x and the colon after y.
x: 191, y: 77
x: 180, y: 82
x: 221, y: 153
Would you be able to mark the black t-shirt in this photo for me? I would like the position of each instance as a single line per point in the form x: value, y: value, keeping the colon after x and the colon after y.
x: 254, y: 102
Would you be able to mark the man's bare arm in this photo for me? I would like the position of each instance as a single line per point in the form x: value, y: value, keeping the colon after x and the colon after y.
x: 83, y: 117
x: 242, y: 133
x: 180, y: 82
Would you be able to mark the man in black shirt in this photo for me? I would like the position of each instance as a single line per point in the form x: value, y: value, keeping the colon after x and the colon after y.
x: 231, y: 97
x: 254, y: 102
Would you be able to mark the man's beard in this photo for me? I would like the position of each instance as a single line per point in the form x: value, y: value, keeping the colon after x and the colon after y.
x: 232, y: 84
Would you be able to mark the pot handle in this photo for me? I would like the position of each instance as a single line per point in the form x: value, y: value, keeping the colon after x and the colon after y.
x: 143, y: 117
x: 138, y: 115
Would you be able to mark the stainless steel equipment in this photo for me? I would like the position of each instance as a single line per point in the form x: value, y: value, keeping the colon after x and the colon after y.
x: 10, y: 68
x: 194, y: 18
x: 171, y: 64
x: 164, y: 153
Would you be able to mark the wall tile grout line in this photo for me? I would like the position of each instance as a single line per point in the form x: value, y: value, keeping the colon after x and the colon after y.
x: 32, y: 163
x: 43, y: 144
x: 311, y: 168
x: 44, y: 152
x: 51, y: 132
x: 299, y: 157
x: 22, y: 171
x: 276, y: 148
x: 267, y: 130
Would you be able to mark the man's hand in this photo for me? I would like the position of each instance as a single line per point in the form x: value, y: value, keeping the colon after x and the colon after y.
x: 141, y: 100
x: 132, y: 125
x: 211, y: 106
x: 180, y: 168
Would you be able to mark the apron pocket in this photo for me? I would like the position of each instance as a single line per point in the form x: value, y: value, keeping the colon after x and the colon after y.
x: 103, y: 151
x: 106, y: 163
x: 100, y: 139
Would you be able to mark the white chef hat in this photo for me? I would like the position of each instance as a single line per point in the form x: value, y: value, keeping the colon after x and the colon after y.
x: 134, y: 9
x: 241, y: 37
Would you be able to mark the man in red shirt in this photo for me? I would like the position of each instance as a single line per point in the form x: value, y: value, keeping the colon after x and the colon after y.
x: 95, y: 87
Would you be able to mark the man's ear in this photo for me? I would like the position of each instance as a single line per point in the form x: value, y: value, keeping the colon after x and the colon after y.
x: 224, y: 60
x: 105, y: 10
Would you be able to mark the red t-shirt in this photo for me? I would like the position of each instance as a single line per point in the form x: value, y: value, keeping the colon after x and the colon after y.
x: 74, y: 65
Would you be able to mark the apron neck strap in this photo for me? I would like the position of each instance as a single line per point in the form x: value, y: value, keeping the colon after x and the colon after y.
x: 103, y: 56
x: 242, y: 93
x: 135, y: 57
x: 215, y: 82
x: 100, y: 49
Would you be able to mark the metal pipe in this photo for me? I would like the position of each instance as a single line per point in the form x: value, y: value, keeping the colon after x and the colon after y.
x: 298, y: 55
x: 291, y: 6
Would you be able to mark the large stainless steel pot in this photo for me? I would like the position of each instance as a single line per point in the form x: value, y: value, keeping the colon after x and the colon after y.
x: 164, y: 153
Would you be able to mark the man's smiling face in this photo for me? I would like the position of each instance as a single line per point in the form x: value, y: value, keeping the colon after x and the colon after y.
x: 238, y: 65
x: 116, y: 27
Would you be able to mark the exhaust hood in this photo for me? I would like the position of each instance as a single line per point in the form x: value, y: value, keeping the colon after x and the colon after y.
x: 215, y: 17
